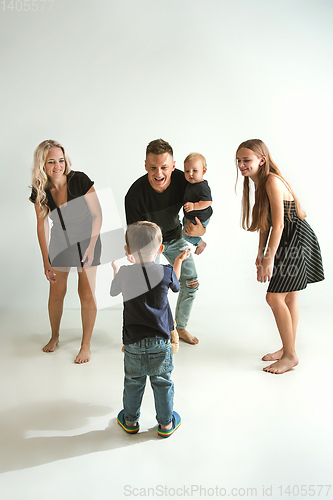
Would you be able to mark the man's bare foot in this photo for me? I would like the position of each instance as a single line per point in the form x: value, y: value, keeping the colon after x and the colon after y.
x: 200, y: 248
x: 187, y: 337
x: 50, y: 347
x: 273, y: 356
x: 84, y: 355
x: 282, y: 365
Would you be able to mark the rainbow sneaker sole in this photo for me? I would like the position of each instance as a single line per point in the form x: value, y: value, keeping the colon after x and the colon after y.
x: 176, y: 421
x: 121, y: 421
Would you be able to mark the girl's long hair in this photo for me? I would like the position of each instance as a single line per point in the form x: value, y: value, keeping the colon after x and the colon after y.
x: 40, y: 180
x: 260, y: 211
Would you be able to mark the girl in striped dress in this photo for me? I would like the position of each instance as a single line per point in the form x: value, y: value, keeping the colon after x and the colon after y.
x: 288, y: 255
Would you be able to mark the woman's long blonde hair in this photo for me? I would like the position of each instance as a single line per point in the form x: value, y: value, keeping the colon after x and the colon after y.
x: 40, y: 180
x: 260, y: 211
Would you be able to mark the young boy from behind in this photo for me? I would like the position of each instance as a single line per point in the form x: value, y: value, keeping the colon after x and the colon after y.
x: 147, y: 323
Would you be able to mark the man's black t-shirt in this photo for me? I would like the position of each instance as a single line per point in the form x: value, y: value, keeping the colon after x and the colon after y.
x: 142, y: 202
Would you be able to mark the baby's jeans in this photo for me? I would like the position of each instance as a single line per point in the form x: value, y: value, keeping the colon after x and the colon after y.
x: 195, y: 240
x: 150, y: 357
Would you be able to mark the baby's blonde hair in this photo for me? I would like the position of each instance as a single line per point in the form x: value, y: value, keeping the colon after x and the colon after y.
x: 144, y: 238
x: 194, y: 156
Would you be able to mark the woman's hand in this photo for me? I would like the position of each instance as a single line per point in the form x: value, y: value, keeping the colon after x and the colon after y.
x: 50, y: 273
x: 88, y: 256
x: 264, y: 269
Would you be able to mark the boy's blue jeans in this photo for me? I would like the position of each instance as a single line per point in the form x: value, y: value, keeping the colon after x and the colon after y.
x: 195, y: 240
x: 149, y: 357
x: 188, y: 275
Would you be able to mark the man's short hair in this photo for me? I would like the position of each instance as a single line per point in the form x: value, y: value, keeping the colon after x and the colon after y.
x: 143, y: 236
x: 158, y: 147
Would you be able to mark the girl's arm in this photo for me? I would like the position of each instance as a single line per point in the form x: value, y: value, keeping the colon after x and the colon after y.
x: 274, y: 190
x: 198, y: 205
x: 96, y: 213
x: 263, y: 237
x: 42, y: 231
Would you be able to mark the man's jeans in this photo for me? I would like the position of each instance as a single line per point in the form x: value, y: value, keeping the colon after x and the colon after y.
x: 149, y: 357
x: 188, y: 275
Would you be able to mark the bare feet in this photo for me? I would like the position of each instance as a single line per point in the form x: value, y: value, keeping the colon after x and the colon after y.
x: 50, y: 347
x: 282, y: 365
x: 274, y: 356
x: 84, y: 355
x: 187, y: 337
x: 200, y: 248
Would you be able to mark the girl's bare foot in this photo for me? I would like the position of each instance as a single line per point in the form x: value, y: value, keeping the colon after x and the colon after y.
x: 274, y: 356
x: 187, y: 337
x: 50, y: 347
x: 200, y: 248
x: 282, y: 365
x: 84, y: 355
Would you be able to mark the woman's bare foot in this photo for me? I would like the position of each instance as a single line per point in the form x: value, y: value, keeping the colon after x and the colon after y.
x: 50, y: 347
x: 200, y: 248
x: 274, y: 356
x: 187, y: 337
x: 282, y: 365
x: 84, y: 355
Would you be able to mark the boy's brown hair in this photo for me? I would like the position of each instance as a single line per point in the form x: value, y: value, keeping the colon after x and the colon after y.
x: 144, y: 237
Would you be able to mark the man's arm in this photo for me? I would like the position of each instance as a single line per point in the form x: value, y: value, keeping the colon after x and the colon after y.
x: 194, y: 229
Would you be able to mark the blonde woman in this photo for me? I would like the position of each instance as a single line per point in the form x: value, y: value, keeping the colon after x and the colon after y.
x: 68, y: 199
x: 288, y: 255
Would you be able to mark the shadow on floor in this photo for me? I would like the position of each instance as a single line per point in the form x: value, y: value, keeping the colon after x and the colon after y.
x: 21, y: 452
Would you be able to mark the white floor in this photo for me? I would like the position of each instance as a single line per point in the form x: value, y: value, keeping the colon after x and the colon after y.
x: 244, y: 433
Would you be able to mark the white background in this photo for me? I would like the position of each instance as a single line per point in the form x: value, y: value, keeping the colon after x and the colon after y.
x: 104, y: 79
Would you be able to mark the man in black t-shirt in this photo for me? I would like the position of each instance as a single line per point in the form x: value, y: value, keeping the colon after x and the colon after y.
x: 158, y: 197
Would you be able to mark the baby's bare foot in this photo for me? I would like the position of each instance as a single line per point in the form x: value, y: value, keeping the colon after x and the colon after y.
x: 274, y: 356
x: 50, y: 347
x: 282, y: 365
x: 200, y: 248
x: 84, y: 355
x: 187, y: 337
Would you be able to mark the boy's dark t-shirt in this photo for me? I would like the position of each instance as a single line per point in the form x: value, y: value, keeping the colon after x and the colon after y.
x: 142, y: 202
x: 147, y: 310
x: 200, y: 191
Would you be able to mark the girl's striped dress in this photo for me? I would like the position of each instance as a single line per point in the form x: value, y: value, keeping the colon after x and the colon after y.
x: 298, y: 258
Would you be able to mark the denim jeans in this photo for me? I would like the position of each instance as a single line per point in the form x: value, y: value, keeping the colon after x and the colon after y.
x: 188, y: 273
x: 195, y: 240
x: 149, y: 357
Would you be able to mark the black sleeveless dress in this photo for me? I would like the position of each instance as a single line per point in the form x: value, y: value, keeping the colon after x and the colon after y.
x: 298, y: 259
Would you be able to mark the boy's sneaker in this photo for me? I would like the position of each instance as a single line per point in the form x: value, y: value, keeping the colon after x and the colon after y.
x: 176, y: 421
x: 130, y: 429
